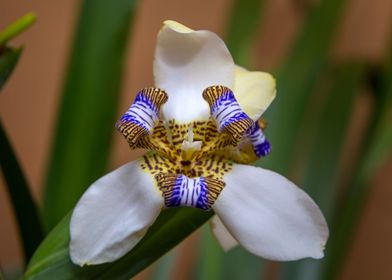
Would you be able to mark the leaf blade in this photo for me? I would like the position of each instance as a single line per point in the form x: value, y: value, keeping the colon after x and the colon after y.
x: 322, y: 171
x: 87, y: 115
x: 296, y: 79
x: 377, y: 149
x: 26, y: 211
x: 8, y: 60
x: 172, y: 226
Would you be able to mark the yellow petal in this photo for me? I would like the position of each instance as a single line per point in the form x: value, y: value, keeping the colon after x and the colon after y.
x: 254, y: 91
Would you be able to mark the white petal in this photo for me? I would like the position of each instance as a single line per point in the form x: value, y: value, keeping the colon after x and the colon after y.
x: 113, y: 215
x: 254, y: 91
x: 225, y: 239
x: 187, y: 62
x: 270, y: 216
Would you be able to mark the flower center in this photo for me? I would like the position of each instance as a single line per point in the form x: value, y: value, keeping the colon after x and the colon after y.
x: 189, y: 161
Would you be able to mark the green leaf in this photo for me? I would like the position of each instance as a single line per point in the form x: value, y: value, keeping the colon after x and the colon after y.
x: 322, y: 170
x: 17, y: 27
x: 378, y: 148
x: 163, y: 268
x: 210, y: 259
x: 88, y: 108
x: 51, y: 261
x: 296, y: 80
x: 25, y: 209
x: 242, y: 26
x: 8, y: 59
x: 214, y: 263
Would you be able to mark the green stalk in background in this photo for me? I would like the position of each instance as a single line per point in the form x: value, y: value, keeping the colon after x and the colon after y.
x: 8, y: 59
x: 88, y: 108
x: 378, y: 148
x: 210, y: 259
x: 244, y: 22
x: 295, y: 81
x: 163, y: 268
x: 24, y: 207
x: 322, y: 168
x: 10, y: 56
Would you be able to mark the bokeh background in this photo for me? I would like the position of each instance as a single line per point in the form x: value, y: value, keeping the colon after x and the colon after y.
x: 30, y: 101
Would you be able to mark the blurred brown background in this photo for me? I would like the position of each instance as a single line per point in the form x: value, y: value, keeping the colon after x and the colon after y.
x: 30, y: 99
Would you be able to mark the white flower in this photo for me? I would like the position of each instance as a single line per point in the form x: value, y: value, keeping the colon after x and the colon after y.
x: 200, y: 135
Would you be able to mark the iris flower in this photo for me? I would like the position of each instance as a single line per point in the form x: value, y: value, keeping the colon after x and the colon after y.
x: 201, y: 126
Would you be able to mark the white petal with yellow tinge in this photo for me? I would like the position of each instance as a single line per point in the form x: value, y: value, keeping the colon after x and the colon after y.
x: 254, y: 91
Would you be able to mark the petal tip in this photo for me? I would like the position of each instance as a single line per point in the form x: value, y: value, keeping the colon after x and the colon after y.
x: 270, y: 83
x: 75, y: 258
x: 319, y: 254
x: 176, y: 26
x: 254, y: 91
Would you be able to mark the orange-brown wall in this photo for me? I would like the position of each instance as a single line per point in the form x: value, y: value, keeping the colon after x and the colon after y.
x: 29, y: 101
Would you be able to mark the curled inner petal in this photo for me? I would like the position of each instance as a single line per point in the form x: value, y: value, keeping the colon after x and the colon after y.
x: 179, y: 190
x: 142, y: 116
x: 227, y: 112
x: 260, y: 144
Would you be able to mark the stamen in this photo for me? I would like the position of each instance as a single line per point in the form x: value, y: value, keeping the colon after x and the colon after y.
x: 227, y: 112
x: 180, y: 190
x: 142, y: 116
x: 261, y: 146
x: 189, y: 147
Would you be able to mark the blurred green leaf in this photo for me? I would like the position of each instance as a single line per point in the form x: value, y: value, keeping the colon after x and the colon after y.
x: 88, y: 108
x: 295, y: 82
x: 242, y: 26
x: 163, y: 268
x: 210, y: 259
x: 8, y: 59
x: 322, y: 171
x: 25, y: 209
x: 51, y: 261
x: 17, y: 27
x: 378, y: 148
x: 236, y: 264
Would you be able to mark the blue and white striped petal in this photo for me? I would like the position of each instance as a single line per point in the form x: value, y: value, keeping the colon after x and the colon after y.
x: 226, y: 111
x: 260, y: 144
x: 142, y: 116
x: 180, y: 190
